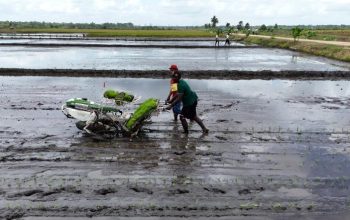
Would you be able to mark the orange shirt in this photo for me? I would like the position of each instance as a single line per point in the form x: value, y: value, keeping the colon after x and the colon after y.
x: 173, y: 87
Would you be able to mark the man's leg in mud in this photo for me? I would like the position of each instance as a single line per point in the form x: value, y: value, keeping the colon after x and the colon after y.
x: 184, y: 124
x: 176, y: 110
x: 175, y: 116
x: 200, y: 122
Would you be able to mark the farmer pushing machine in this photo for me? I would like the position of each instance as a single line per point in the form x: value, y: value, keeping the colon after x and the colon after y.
x: 111, y: 121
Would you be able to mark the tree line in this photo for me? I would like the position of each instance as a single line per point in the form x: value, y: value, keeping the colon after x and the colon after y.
x: 214, y: 21
x: 296, y: 31
x: 36, y: 24
x: 270, y: 28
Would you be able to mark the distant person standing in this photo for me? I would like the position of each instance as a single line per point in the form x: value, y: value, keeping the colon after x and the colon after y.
x: 217, y: 40
x: 189, y: 101
x: 227, y: 42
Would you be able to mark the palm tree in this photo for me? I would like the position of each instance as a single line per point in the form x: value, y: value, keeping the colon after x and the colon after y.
x: 240, y: 25
x: 214, y: 21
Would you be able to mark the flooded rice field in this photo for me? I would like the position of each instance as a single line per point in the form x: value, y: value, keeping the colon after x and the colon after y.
x: 277, y: 149
x: 127, y: 42
x: 249, y: 59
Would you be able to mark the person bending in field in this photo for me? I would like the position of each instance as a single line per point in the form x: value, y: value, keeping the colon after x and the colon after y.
x: 189, y: 101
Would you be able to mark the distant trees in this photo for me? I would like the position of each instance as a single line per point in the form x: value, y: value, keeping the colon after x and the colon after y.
x: 207, y: 26
x: 228, y: 28
x: 263, y: 28
x: 35, y: 24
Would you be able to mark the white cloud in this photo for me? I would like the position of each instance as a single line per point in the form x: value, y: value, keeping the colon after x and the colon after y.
x: 179, y: 12
x: 62, y: 6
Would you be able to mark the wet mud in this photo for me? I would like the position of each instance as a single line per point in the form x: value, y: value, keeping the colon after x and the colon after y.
x: 273, y: 152
x: 191, y: 74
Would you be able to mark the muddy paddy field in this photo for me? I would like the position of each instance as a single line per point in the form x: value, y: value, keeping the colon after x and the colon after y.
x: 277, y: 149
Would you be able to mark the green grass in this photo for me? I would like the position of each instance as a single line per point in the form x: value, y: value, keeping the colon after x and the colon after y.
x: 328, y: 35
x: 181, y: 33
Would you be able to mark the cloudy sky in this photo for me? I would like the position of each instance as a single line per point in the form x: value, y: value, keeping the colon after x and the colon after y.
x: 179, y: 12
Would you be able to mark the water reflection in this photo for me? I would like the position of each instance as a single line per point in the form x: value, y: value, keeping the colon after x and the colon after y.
x: 93, y: 88
x: 294, y: 59
x: 271, y: 89
x: 159, y: 59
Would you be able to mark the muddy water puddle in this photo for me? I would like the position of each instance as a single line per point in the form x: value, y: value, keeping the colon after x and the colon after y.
x: 159, y: 59
x: 273, y: 150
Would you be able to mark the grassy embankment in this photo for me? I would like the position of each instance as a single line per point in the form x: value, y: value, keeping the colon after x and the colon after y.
x: 327, y: 35
x: 180, y: 33
x: 341, y: 53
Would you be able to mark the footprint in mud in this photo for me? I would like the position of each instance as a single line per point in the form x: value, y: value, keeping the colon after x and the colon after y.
x: 217, y: 107
x: 68, y: 189
x: 178, y: 191
x: 51, y: 192
x: 26, y: 193
x: 225, y: 106
x: 206, y: 154
x: 45, y: 137
x: 221, y: 138
x: 72, y: 189
x: 141, y: 189
x: 214, y: 190
x: 179, y: 153
x: 244, y: 191
x: 330, y: 107
x: 12, y: 214
x: 221, y: 120
x: 247, y: 191
x: 105, y: 191
x: 50, y: 109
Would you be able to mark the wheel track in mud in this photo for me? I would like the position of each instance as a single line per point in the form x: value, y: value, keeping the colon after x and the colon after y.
x: 219, y: 190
